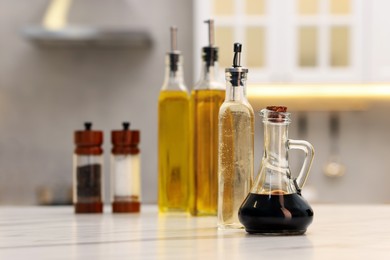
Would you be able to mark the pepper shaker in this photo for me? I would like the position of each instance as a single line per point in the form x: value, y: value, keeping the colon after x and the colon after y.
x: 88, y: 170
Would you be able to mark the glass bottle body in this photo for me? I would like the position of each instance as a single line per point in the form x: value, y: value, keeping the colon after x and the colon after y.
x: 174, y: 143
x: 206, y: 99
x: 275, y: 205
x: 88, y: 183
x: 125, y: 182
x: 235, y: 169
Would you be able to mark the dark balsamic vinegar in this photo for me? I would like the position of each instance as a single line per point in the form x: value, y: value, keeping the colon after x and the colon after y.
x: 282, y: 214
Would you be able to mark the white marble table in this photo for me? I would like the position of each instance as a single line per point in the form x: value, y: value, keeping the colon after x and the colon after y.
x: 338, y: 232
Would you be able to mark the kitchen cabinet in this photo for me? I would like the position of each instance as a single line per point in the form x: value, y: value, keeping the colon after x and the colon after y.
x: 338, y: 232
x: 378, y: 65
x: 321, y: 41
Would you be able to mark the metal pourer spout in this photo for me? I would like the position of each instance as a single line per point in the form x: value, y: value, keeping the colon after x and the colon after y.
x: 210, y: 52
x: 236, y: 73
x: 174, y: 54
x: 173, y: 30
x: 237, y: 55
x: 210, y: 22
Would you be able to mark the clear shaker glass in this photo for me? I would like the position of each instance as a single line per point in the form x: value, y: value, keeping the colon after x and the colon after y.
x: 88, y: 171
x: 125, y: 170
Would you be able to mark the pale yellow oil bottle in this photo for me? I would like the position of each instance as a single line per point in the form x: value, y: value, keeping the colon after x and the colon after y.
x: 174, y: 151
x: 205, y: 109
x: 236, y: 145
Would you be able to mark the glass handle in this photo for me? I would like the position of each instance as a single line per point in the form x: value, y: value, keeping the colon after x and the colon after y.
x: 308, y: 149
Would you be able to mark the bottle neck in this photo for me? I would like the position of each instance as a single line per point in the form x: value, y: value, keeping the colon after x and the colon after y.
x: 275, y: 176
x: 275, y: 143
x: 209, y: 72
x: 235, y: 89
x: 174, y: 79
x: 209, y: 77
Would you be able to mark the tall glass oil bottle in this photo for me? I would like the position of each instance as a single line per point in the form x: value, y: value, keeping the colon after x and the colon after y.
x: 173, y: 136
x: 206, y: 99
x: 236, y: 145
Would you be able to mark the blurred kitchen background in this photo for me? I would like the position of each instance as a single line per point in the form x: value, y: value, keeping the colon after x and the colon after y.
x: 48, y: 88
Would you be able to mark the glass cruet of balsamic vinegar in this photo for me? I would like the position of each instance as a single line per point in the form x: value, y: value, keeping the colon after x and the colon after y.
x: 236, y: 144
x: 206, y: 99
x: 275, y: 205
x: 173, y: 135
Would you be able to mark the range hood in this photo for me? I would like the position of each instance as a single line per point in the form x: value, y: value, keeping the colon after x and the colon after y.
x: 55, y: 30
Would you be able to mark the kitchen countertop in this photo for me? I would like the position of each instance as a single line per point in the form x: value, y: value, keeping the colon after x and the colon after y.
x: 337, y: 232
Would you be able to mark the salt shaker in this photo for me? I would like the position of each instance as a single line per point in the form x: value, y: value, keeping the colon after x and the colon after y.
x: 88, y: 171
x: 125, y: 170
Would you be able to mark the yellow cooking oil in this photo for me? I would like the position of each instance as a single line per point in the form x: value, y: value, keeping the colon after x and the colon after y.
x: 174, y: 151
x: 205, y: 104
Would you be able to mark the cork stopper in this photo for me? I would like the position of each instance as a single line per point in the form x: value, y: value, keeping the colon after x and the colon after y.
x: 277, y: 114
x: 277, y: 108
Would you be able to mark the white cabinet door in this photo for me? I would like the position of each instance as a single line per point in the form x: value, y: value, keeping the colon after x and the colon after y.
x: 325, y: 41
x: 296, y: 40
x: 379, y: 56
